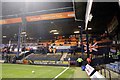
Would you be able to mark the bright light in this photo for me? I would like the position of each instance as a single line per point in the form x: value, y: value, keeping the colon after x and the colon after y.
x: 89, y: 28
x: 25, y: 35
x: 76, y: 31
x: 79, y: 26
x: 119, y: 2
x: 31, y: 38
x: 23, y: 32
x: 4, y: 36
x: 105, y: 31
x: 90, y: 17
x: 53, y: 31
x: 56, y: 33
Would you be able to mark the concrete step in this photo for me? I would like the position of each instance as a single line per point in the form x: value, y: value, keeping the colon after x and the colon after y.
x: 63, y: 56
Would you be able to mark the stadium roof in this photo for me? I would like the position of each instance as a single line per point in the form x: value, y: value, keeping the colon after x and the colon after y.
x: 102, y: 15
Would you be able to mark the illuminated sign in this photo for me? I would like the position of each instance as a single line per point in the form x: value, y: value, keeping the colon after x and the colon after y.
x: 11, y: 20
x: 52, y: 16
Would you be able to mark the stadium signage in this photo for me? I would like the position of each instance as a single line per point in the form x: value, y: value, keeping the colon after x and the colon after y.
x: 11, y: 20
x: 93, y: 74
x: 44, y: 62
x: 50, y: 62
x: 89, y: 69
x: 52, y: 16
x: 97, y: 76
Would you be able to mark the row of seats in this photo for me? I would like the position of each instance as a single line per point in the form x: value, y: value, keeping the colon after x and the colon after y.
x: 101, y: 60
x: 44, y: 57
x: 72, y: 57
x: 65, y: 44
x: 114, y: 66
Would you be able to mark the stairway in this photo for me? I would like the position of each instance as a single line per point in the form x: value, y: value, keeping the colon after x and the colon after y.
x: 28, y: 56
x: 23, y: 55
x: 63, y: 56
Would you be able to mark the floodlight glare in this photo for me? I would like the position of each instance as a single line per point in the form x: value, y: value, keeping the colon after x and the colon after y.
x: 76, y: 31
x: 53, y: 31
x: 89, y: 28
x: 4, y: 36
x: 56, y: 33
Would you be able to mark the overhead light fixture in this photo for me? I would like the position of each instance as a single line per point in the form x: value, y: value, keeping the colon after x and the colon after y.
x: 56, y: 33
x: 79, y: 26
x: 76, y: 31
x: 4, y: 36
x: 25, y: 35
x: 105, y: 31
x: 90, y: 17
x: 88, y: 10
x: 89, y: 28
x: 30, y: 38
x: 53, y: 31
x: 23, y: 32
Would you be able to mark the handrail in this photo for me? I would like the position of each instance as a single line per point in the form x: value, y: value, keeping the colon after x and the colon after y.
x: 103, y: 67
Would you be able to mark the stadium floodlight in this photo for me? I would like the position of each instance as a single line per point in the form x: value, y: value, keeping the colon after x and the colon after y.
x: 23, y: 32
x: 76, y: 31
x: 90, y: 17
x: 88, y: 10
x: 119, y: 2
x: 105, y: 31
x: 89, y: 28
x: 4, y: 36
x: 25, y: 35
x: 30, y: 38
x: 79, y: 26
x: 56, y: 33
x: 52, y: 31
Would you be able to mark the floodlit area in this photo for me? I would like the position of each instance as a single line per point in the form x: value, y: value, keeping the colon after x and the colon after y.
x: 35, y: 71
x: 60, y: 40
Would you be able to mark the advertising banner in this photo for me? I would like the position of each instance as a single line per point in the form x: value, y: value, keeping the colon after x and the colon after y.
x: 11, y: 20
x: 51, y: 16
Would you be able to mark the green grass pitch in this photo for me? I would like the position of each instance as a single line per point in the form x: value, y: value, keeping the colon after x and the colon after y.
x: 25, y: 71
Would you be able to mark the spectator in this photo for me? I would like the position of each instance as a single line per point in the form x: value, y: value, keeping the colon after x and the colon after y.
x: 79, y: 60
x: 69, y: 61
x: 88, y: 60
x: 84, y: 63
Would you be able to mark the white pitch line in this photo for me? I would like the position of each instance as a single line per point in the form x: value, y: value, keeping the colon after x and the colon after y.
x: 60, y: 73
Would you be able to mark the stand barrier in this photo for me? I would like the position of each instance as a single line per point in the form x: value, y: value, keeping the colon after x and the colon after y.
x: 94, y: 75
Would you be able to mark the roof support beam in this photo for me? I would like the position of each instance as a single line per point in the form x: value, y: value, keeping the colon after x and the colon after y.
x: 88, y: 10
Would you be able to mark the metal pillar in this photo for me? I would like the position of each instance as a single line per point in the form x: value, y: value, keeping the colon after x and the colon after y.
x: 82, y: 47
x: 0, y: 34
x: 0, y: 24
x: 23, y: 29
x: 19, y: 40
x: 87, y: 39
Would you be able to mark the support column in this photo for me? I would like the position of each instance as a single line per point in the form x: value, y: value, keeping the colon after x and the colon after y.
x: 87, y: 39
x: 0, y: 38
x: 82, y: 47
x: 0, y: 24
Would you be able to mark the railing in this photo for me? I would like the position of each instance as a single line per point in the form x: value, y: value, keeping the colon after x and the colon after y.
x: 102, y: 67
